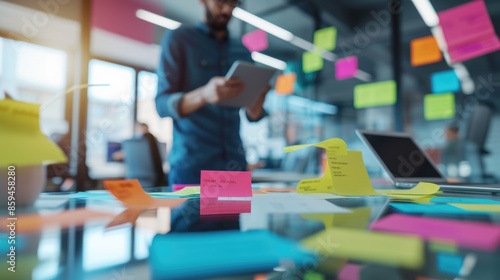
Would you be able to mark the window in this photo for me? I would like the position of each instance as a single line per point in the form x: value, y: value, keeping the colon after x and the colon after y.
x: 110, y: 115
x: 161, y: 128
x: 1, y: 56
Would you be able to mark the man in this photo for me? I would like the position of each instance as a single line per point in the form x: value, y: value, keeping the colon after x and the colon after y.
x: 191, y: 84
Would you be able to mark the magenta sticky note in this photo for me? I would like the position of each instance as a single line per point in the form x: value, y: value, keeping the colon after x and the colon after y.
x: 346, y: 68
x: 461, y: 233
x: 255, y: 41
x: 215, y: 184
x: 350, y: 272
x: 214, y: 206
x: 468, y: 31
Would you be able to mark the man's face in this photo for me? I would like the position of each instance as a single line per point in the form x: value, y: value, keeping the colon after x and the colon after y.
x: 219, y: 12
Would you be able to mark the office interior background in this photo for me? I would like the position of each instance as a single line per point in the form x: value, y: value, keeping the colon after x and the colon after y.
x: 49, y: 46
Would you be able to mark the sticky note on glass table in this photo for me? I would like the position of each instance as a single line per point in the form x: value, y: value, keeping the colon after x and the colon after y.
x: 22, y: 142
x: 468, y: 31
x: 311, y: 62
x: 326, y: 38
x: 375, y: 94
x: 346, y: 68
x: 132, y: 195
x: 285, y: 84
x: 424, y: 51
x: 439, y: 106
x: 445, y: 81
x: 255, y: 41
x: 226, y: 184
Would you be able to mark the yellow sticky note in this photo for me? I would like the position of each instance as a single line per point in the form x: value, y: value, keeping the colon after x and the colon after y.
x: 326, y: 38
x: 439, y: 106
x: 131, y: 194
x: 22, y: 142
x: 357, y: 219
x: 188, y: 190
x: 495, y: 208
x: 349, y: 174
x: 311, y: 62
x: 375, y: 94
x: 421, y: 189
x: 359, y: 245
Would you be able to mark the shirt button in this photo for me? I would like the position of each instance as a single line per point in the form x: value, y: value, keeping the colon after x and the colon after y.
x: 204, y: 62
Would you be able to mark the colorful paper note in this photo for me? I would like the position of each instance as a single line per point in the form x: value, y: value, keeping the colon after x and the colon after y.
x: 347, y: 174
x: 255, y: 41
x: 346, y: 68
x: 464, y: 200
x: 360, y: 245
x: 22, y: 142
x: 311, y: 275
x: 132, y: 195
x: 461, y: 233
x: 357, y: 219
x: 439, y: 106
x: 215, y: 184
x: 449, y: 263
x: 468, y: 31
x: 375, y: 94
x: 425, y: 50
x: 193, y: 191
x: 436, y: 209
x: 285, y: 84
x: 326, y: 38
x: 350, y: 272
x: 311, y: 62
x: 213, y: 206
x: 31, y: 223
x: 445, y: 81
x: 485, y: 208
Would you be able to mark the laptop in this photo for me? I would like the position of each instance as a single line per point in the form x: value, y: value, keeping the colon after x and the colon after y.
x: 407, y: 164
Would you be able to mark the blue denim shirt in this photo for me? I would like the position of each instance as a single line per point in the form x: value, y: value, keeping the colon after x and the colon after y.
x: 208, y: 139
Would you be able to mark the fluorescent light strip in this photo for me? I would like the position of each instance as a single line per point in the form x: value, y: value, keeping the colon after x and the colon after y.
x: 427, y: 12
x: 268, y: 60
x: 262, y: 24
x: 157, y: 19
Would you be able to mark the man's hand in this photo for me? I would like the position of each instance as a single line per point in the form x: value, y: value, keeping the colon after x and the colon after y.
x: 219, y: 89
x: 256, y: 110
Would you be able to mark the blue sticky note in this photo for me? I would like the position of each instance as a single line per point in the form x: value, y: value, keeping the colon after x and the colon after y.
x: 449, y: 263
x: 223, y: 253
x: 464, y: 200
x: 415, y: 208
x: 445, y: 81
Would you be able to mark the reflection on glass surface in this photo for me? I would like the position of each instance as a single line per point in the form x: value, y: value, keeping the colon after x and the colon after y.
x: 1, y: 57
x: 105, y: 248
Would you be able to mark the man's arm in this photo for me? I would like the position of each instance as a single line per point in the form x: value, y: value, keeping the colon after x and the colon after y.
x: 256, y: 112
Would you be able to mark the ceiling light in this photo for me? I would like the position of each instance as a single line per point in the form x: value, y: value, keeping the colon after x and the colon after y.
x: 268, y: 60
x: 157, y: 19
x: 427, y: 12
x: 262, y: 24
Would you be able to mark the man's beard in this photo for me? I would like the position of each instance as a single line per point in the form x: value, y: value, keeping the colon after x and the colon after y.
x: 213, y: 23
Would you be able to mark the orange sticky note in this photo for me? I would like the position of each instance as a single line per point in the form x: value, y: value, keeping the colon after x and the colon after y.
x: 131, y: 194
x: 129, y: 216
x: 35, y: 222
x: 425, y: 50
x: 285, y: 84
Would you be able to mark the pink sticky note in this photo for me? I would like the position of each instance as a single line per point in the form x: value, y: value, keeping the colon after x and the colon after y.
x: 255, y: 41
x: 216, y: 184
x: 213, y: 206
x: 346, y: 67
x: 468, y: 31
x: 463, y: 234
x: 350, y: 272
x: 178, y: 187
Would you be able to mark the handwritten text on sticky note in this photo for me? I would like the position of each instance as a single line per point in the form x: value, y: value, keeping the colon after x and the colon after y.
x: 216, y: 184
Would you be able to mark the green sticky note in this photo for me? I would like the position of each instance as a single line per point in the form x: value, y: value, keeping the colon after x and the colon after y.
x: 375, y: 94
x: 326, y: 38
x: 311, y: 275
x: 311, y: 62
x: 439, y: 106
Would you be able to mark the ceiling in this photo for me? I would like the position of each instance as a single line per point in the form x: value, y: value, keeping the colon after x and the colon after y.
x: 351, y: 17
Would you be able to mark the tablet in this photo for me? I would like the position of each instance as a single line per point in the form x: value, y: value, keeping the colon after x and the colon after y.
x: 255, y: 78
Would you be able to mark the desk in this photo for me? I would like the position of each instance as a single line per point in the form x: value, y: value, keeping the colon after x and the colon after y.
x: 94, y: 252
x: 269, y: 175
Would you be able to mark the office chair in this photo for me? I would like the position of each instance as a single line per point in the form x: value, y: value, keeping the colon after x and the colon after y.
x: 143, y: 161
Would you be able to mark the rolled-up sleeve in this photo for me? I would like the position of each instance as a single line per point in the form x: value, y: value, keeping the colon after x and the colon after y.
x: 170, y: 78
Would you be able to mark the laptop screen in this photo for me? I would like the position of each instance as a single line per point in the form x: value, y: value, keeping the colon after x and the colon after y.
x: 402, y: 157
